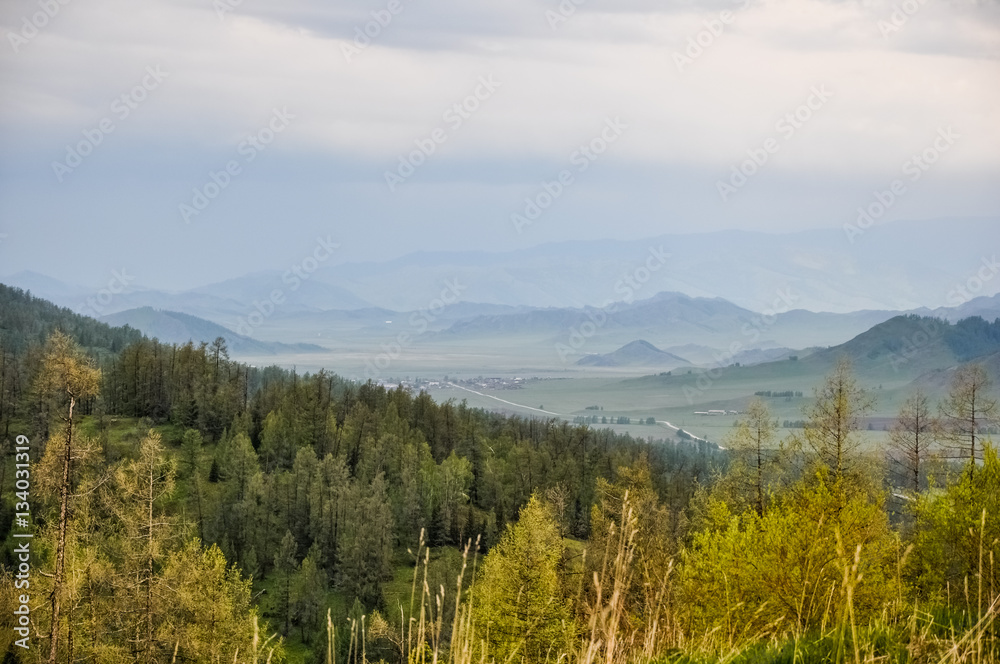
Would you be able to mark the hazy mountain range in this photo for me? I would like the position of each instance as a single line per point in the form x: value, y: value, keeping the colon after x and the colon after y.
x: 685, y: 295
x: 694, y: 330
x: 688, y: 327
x: 894, y: 266
x: 905, y: 352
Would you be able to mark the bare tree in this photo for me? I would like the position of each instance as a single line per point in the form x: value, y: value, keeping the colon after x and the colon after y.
x: 966, y: 410
x: 750, y: 444
x: 913, y: 436
x: 834, y: 420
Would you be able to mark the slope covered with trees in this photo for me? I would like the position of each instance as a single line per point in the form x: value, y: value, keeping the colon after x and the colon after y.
x: 187, y: 507
x: 172, y: 456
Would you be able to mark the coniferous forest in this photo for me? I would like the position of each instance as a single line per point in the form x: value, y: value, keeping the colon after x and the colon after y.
x: 186, y: 507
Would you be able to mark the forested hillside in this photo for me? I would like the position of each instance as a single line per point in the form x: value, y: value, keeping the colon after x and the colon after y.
x: 286, y: 474
x: 27, y: 320
x: 189, y: 508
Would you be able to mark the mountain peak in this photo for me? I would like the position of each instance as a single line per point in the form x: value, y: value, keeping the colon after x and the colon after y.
x: 638, y: 353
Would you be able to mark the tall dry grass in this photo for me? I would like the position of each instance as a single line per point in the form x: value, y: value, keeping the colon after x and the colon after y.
x: 965, y: 634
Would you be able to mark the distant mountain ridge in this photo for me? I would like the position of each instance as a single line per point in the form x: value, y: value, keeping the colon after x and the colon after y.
x: 824, y: 269
x: 827, y: 271
x: 178, y: 328
x: 902, y: 354
x: 911, y: 345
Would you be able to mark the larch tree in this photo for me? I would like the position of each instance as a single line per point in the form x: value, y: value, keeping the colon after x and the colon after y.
x: 68, y: 376
x: 309, y: 588
x: 136, y: 499
x: 191, y: 452
x: 750, y: 444
x: 912, y: 437
x: 284, y: 571
x: 967, y: 408
x: 834, y: 420
x: 212, y: 611
x: 520, y: 609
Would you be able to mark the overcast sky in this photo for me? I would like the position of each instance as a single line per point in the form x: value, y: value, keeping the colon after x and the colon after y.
x: 113, y: 112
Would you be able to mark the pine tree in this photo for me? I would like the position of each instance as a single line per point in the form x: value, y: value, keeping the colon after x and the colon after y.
x: 191, y: 452
x: 365, y: 540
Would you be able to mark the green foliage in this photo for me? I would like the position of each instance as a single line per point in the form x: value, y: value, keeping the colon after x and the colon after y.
x: 631, y: 499
x: 973, y: 337
x: 520, y: 608
x: 309, y: 587
x: 753, y: 576
x: 365, y: 541
x: 212, y: 616
x: 284, y: 569
x: 317, y: 486
x: 957, y: 535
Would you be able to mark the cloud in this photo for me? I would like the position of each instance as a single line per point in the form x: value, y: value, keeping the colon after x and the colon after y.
x: 608, y: 59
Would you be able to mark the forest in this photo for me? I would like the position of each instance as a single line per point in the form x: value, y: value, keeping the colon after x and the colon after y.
x: 186, y: 507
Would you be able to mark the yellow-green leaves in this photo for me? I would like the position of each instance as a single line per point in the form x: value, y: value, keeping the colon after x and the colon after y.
x: 520, y: 608
x: 66, y: 371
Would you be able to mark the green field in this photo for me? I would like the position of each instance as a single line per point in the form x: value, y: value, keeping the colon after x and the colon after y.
x: 565, y: 391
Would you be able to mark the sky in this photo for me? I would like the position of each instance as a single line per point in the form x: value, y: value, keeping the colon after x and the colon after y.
x: 197, y: 140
